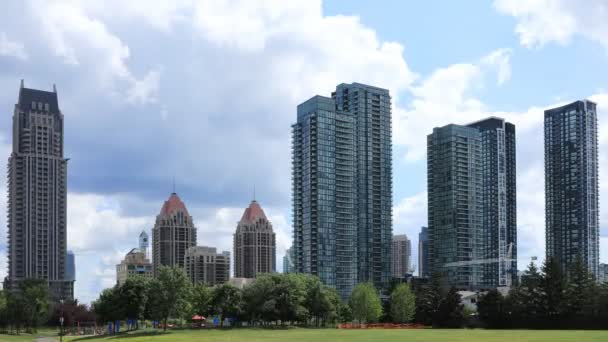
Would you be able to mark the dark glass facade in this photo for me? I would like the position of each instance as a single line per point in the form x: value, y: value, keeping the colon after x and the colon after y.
x: 423, y: 253
x: 571, y: 184
x: 342, y: 187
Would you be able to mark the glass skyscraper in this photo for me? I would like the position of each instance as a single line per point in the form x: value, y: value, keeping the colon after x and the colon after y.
x: 423, y: 253
x: 472, y: 204
x: 342, y: 187
x: 571, y: 184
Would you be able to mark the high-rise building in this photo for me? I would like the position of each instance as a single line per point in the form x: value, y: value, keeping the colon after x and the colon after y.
x: 423, y: 253
x: 173, y: 233
x: 37, y: 194
x: 455, y: 209
x: 70, y: 266
x: 288, y: 266
x: 571, y: 184
x: 603, y: 273
x: 342, y: 187
x: 135, y: 263
x: 144, y: 243
x: 472, y: 204
x: 205, y: 265
x: 401, y: 254
x: 254, y: 244
x: 498, y: 197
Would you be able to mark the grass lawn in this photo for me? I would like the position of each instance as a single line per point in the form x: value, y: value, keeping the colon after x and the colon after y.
x: 318, y: 335
x: 23, y: 337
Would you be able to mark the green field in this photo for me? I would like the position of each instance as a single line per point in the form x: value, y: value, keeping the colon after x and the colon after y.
x: 318, y: 335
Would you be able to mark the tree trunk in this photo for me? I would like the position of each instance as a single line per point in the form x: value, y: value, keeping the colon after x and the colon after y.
x: 165, y: 324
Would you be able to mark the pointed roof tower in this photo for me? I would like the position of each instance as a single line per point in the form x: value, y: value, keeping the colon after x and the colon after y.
x: 252, y: 213
x: 174, y: 203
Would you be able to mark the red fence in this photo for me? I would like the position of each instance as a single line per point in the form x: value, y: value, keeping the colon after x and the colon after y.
x: 380, y: 326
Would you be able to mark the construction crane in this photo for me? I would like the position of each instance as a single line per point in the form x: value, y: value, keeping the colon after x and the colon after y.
x: 506, y: 262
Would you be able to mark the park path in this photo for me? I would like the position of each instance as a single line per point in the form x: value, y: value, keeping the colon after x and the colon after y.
x: 45, y: 339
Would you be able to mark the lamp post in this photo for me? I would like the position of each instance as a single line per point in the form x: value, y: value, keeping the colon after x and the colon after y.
x: 61, y: 322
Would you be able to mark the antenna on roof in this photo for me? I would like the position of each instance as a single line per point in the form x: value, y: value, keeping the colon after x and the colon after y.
x: 22, y: 84
x: 254, y: 191
x: 54, y: 88
x: 173, y: 183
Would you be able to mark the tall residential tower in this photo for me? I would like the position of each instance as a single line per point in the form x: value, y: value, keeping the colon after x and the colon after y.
x: 342, y: 187
x: 401, y: 253
x: 571, y: 184
x: 172, y: 235
x: 254, y: 244
x: 37, y: 194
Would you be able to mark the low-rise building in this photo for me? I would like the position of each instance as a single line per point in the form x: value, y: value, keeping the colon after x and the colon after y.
x: 204, y: 265
x: 135, y: 263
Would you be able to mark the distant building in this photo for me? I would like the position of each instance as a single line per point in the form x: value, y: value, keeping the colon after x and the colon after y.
x: 144, y: 242
x: 401, y: 253
x: 571, y: 185
x: 603, y: 273
x: 204, y: 265
x: 240, y: 283
x: 37, y: 195
x: 423, y: 253
x: 342, y: 187
x: 288, y: 266
x: 135, y: 263
x: 173, y: 233
x: 70, y: 266
x: 254, y: 244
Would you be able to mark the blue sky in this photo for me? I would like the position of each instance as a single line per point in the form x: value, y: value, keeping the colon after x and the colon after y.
x: 206, y: 91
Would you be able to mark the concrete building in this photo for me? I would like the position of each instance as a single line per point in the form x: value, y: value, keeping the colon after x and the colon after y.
x: 571, y: 185
x: 204, y: 265
x: 37, y: 194
x: 288, y: 266
x: 173, y: 233
x: 70, y: 266
x: 342, y: 187
x: 135, y: 263
x: 472, y: 205
x: 254, y: 244
x: 423, y: 253
x: 401, y: 256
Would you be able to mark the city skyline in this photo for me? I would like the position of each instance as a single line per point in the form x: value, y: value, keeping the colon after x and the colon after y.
x: 157, y: 120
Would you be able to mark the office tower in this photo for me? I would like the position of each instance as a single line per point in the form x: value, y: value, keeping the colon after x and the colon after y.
x: 144, y: 243
x: 571, y: 184
x: 423, y: 253
x: 455, y: 208
x: 135, y: 263
x: 37, y: 194
x: 173, y: 233
x: 254, y: 244
x: 498, y: 196
x: 205, y: 265
x: 288, y: 266
x: 603, y: 273
x: 70, y: 266
x: 342, y: 187
x: 401, y: 254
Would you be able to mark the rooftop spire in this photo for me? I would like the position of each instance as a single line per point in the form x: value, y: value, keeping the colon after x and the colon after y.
x: 22, y: 86
x: 54, y: 88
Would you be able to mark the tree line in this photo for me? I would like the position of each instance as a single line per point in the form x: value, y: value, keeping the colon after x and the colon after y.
x: 272, y: 299
x: 548, y: 298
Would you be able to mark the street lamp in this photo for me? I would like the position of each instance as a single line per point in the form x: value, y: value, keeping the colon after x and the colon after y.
x: 61, y: 322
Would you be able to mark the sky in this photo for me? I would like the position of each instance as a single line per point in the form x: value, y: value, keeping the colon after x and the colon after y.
x: 205, y: 92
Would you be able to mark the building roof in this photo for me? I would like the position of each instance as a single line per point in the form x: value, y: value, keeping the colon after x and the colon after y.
x: 27, y: 96
x: 252, y: 213
x: 174, y: 203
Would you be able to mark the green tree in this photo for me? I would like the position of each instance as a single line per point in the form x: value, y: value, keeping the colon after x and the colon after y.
x: 581, y: 293
x: 365, y: 303
x: 108, y: 307
x: 35, y: 302
x: 552, y: 287
x: 450, y: 313
x: 226, y: 302
x: 491, y: 309
x: 132, y: 297
x: 428, y: 298
x: 403, y: 304
x: 201, y: 299
x: 169, y: 294
x: 525, y: 302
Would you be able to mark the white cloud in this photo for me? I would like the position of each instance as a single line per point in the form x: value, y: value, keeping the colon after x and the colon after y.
x: 542, y: 21
x: 11, y: 49
x: 501, y: 60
